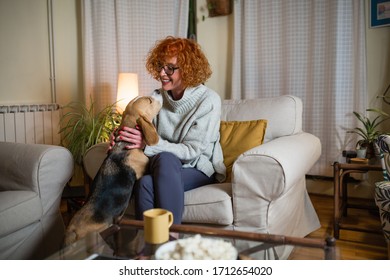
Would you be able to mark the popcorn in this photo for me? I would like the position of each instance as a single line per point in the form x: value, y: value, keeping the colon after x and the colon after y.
x: 198, y: 248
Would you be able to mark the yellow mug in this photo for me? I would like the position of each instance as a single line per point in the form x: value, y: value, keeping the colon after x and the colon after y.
x: 157, y: 222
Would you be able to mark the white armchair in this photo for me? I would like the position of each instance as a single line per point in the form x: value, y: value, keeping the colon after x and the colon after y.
x: 267, y: 193
x: 32, y: 178
x: 382, y: 188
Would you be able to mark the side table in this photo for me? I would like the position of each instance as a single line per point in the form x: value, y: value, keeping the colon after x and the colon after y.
x: 341, y: 172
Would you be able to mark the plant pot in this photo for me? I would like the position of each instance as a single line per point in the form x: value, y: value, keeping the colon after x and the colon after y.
x: 361, y: 153
x: 370, y: 150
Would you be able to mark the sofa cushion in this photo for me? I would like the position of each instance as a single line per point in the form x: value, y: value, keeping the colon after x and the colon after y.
x: 238, y: 137
x: 286, y: 121
x: 210, y: 204
x: 18, y: 209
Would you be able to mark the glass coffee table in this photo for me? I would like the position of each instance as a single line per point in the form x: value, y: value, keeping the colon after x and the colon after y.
x: 125, y: 241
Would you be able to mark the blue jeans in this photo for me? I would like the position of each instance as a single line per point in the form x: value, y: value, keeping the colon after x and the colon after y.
x: 165, y: 184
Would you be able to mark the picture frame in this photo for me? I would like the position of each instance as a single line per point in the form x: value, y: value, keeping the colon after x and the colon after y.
x: 379, y: 13
x: 219, y: 7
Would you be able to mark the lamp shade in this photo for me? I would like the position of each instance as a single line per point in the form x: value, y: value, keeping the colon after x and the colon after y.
x: 127, y: 89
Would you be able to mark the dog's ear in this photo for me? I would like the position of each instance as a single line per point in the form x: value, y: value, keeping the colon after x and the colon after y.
x: 148, y: 130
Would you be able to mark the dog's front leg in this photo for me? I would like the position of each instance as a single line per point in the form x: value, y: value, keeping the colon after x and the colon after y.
x: 138, y: 161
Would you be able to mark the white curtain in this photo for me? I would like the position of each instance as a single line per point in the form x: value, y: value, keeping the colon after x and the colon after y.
x: 313, y: 49
x: 117, y: 35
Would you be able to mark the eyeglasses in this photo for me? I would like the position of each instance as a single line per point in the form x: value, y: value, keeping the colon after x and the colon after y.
x: 168, y: 69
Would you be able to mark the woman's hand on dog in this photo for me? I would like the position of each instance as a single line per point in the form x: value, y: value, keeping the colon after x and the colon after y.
x: 131, y: 135
x: 112, y: 140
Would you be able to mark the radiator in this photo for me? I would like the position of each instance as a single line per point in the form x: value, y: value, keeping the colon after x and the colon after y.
x: 32, y: 124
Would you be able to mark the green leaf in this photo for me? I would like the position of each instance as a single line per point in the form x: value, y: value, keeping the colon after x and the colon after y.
x: 81, y: 128
x: 369, y: 128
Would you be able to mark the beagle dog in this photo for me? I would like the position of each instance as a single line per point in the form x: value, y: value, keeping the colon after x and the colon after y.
x: 113, y: 184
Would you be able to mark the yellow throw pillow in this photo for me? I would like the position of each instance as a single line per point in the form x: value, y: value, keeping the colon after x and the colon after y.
x: 238, y: 137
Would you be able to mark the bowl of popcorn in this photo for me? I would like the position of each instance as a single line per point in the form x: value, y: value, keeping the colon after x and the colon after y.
x: 197, y: 248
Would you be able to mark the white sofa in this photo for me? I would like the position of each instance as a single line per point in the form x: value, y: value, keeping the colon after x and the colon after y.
x: 268, y: 189
x: 32, y: 178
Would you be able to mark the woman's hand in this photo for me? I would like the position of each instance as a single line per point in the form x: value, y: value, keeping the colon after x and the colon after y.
x: 112, y: 140
x: 131, y: 135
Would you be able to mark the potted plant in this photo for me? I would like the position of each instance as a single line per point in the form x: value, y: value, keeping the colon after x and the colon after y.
x: 81, y: 127
x: 369, y: 131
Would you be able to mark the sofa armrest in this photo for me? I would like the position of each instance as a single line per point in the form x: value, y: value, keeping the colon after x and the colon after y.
x: 43, y: 169
x: 269, y: 187
x: 269, y: 170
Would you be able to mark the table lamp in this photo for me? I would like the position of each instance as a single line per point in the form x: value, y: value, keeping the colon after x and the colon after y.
x: 127, y: 89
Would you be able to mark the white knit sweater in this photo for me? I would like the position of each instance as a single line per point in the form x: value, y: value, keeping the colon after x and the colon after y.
x: 189, y: 128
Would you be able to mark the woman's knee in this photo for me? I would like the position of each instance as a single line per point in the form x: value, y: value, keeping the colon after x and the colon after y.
x: 165, y: 159
x: 166, y: 156
x: 145, y: 183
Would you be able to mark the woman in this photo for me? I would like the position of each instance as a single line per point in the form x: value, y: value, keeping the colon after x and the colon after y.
x: 188, y: 154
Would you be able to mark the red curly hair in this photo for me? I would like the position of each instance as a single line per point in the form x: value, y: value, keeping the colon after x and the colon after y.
x: 193, y: 64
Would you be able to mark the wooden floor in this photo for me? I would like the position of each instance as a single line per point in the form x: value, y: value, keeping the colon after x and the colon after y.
x: 351, y: 245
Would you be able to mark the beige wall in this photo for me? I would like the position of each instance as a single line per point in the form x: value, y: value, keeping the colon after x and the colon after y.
x: 24, y: 46
x: 215, y: 35
x: 24, y: 58
x: 24, y: 52
x: 67, y: 22
x: 378, y: 62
